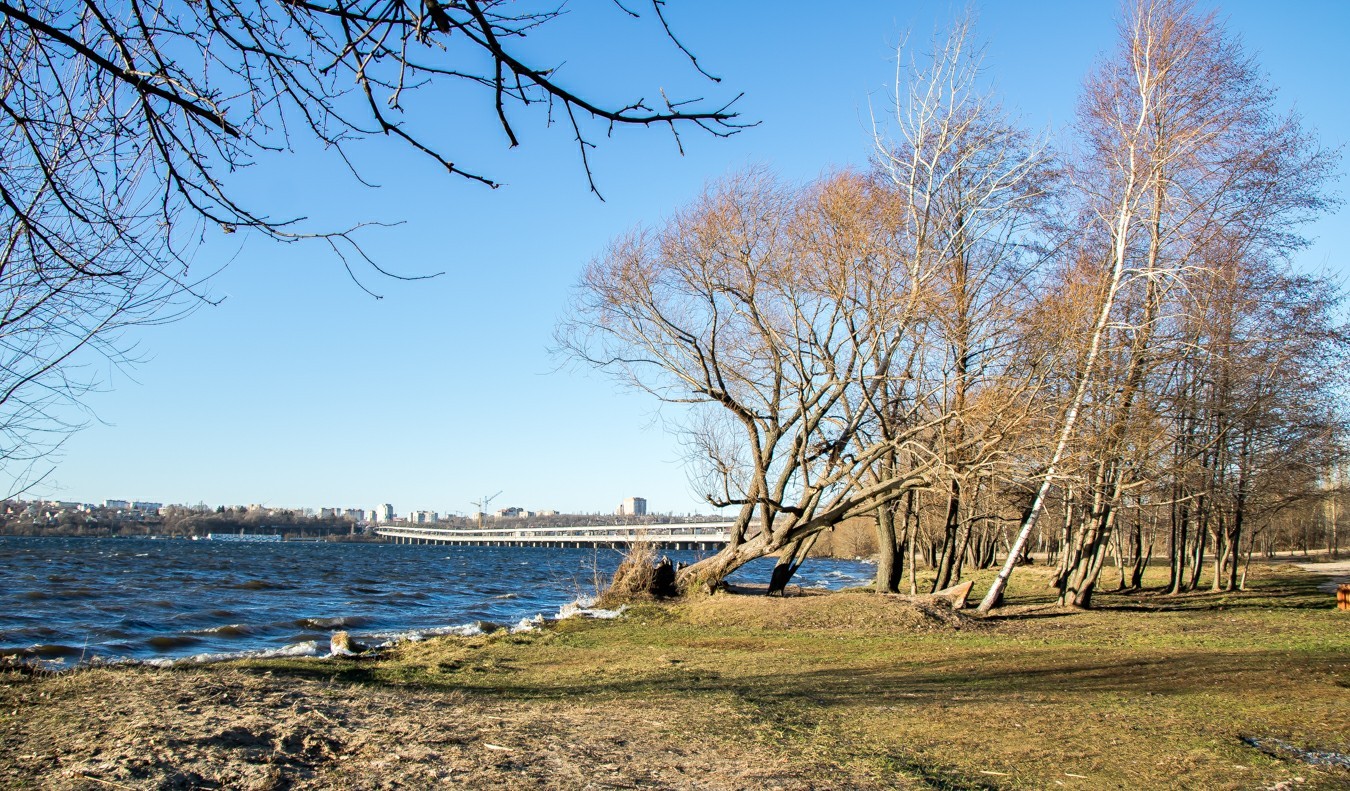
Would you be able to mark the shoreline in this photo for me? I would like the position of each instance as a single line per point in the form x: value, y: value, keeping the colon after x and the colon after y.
x: 845, y: 690
x: 69, y: 601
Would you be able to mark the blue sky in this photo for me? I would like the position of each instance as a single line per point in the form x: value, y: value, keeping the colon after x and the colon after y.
x: 300, y: 389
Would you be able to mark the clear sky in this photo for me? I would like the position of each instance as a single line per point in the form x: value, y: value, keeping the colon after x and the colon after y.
x: 301, y: 390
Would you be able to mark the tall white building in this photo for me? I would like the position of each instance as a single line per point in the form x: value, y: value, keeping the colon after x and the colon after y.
x: 383, y: 513
x: 632, y: 506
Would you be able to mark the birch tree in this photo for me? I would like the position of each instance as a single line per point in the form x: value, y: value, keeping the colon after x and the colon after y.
x: 1181, y: 144
x: 971, y: 186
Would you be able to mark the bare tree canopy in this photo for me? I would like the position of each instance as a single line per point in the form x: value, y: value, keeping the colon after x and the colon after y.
x: 978, y: 331
x: 134, y: 108
x: 120, y: 122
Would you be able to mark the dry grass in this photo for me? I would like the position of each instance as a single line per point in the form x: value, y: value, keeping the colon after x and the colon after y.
x: 852, y: 611
x: 635, y: 578
x: 839, y: 691
x: 240, y: 729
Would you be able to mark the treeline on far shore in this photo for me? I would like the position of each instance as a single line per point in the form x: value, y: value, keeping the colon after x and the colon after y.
x: 30, y: 519
x: 179, y: 523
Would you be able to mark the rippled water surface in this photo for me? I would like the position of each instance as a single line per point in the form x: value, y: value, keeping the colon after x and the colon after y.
x: 75, y: 599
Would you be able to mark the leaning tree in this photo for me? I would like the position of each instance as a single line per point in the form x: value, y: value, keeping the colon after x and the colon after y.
x: 1182, y: 152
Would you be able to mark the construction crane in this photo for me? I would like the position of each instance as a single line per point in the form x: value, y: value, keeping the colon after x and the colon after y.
x: 482, y: 505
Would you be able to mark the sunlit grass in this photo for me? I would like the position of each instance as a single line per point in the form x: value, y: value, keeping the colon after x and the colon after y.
x: 1146, y: 691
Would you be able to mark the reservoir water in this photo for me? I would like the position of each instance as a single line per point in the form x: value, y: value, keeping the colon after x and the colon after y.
x: 68, y: 600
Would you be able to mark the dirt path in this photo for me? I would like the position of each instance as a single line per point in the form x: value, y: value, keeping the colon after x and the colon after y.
x: 1337, y: 570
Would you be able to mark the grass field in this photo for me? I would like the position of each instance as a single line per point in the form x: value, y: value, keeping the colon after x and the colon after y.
x: 848, y: 690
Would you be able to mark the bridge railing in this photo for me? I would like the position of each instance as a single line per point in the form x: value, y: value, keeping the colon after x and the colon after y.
x: 694, y: 532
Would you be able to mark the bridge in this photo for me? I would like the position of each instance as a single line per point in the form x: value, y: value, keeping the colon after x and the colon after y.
x: 695, y: 535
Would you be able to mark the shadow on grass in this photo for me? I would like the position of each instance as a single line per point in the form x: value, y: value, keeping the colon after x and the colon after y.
x: 1273, y: 589
x: 998, y: 616
x: 988, y: 675
x: 1164, y: 664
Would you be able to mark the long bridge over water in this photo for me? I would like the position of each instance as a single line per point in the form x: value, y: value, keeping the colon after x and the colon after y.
x: 689, y: 535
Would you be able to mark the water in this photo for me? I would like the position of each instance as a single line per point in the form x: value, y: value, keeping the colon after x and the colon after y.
x: 68, y: 600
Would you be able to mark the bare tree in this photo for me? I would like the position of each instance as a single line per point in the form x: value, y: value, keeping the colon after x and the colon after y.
x: 779, y: 315
x: 972, y: 186
x: 119, y: 123
x: 1265, y: 357
x: 1182, y: 149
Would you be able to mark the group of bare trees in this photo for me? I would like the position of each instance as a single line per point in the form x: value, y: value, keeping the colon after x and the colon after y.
x: 978, y: 334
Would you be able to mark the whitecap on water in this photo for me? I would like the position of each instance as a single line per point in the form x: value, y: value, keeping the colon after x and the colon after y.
x: 528, y: 624
x: 307, y: 648
x: 462, y: 630
x: 584, y: 607
x: 228, y: 630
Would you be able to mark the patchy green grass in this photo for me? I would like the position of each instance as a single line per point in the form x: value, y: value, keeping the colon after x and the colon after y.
x: 857, y: 690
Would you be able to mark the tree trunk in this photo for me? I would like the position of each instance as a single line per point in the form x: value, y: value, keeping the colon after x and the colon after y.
x: 789, y: 560
x: 949, y: 537
x: 889, y: 560
x: 1198, y: 553
x: 1181, y: 515
x: 1220, y: 551
x: 1145, y: 554
x: 912, y: 534
x: 1082, y: 577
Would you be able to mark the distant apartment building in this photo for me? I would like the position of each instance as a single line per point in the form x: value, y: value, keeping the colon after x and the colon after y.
x: 511, y: 513
x: 383, y: 513
x: 632, y: 506
x: 116, y: 504
x: 422, y: 517
x: 355, y: 514
x: 146, y: 507
x: 330, y: 513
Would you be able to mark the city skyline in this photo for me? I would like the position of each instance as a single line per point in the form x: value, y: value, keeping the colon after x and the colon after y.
x: 387, y: 511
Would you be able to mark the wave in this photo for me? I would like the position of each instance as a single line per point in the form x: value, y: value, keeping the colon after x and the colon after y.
x: 585, y: 608
x: 44, y: 651
x: 528, y: 624
x: 414, y: 635
x: 228, y: 630
x: 307, y: 648
x: 261, y: 585
x: 167, y: 642
x: 321, y: 624
x: 134, y: 623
